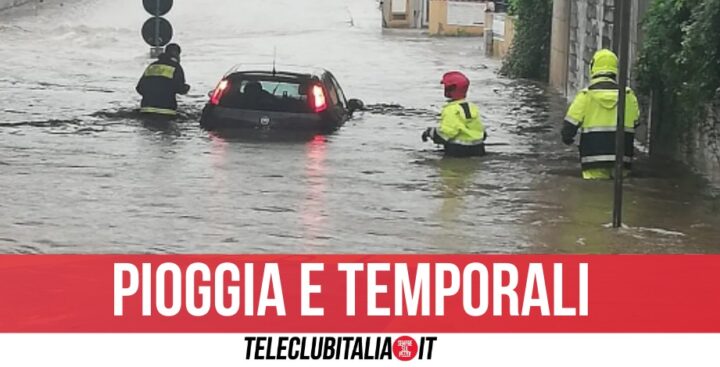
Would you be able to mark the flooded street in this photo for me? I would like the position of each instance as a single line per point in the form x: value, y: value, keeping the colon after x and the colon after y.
x: 79, y: 173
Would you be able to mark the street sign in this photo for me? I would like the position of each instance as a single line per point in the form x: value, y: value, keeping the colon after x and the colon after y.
x: 158, y: 8
x: 157, y: 32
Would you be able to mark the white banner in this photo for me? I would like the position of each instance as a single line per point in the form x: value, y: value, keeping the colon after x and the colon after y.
x: 572, y: 350
x: 463, y: 13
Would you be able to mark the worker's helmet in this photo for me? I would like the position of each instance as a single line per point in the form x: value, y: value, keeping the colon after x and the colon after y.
x: 456, y: 85
x: 604, y: 63
x: 173, y: 49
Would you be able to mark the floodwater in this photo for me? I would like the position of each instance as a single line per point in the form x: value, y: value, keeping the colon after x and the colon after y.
x: 79, y: 173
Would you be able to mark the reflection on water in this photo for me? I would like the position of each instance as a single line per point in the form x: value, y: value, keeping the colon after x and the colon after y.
x: 455, y: 179
x: 218, y: 156
x: 313, y: 207
x: 654, y: 219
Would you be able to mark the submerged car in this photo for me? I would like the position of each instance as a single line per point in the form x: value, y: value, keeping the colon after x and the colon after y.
x: 292, y: 99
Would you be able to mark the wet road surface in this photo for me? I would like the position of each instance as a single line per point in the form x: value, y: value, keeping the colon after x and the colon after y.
x: 80, y: 173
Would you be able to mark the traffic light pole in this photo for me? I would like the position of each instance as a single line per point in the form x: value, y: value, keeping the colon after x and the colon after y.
x: 157, y: 31
x: 156, y: 51
x: 624, y: 58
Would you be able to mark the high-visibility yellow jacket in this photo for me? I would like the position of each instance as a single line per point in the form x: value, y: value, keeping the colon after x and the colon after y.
x: 594, y: 114
x: 460, y: 124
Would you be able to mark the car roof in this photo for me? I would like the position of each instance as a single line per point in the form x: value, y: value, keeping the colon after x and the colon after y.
x: 281, y: 70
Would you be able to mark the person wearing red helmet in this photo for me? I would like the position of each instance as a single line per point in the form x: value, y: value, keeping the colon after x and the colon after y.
x: 461, y: 130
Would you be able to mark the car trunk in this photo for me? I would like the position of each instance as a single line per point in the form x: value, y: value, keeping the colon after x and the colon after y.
x: 239, y: 118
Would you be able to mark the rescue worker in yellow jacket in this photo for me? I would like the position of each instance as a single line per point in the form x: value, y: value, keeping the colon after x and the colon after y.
x: 461, y: 130
x: 161, y: 82
x: 594, y: 114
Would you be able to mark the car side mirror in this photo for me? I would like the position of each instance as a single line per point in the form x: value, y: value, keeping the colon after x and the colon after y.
x: 210, y: 93
x: 355, y: 105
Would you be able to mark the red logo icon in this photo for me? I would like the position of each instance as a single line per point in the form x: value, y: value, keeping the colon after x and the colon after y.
x: 405, y: 348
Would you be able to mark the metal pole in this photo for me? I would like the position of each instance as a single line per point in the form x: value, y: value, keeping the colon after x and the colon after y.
x: 624, y: 59
x: 157, y: 23
x: 617, y: 26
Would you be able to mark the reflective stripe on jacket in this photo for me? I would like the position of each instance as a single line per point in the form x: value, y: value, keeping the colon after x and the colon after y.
x: 158, y: 111
x: 159, y: 85
x: 594, y: 113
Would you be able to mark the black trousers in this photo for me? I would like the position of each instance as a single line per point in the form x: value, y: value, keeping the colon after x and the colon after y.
x: 461, y: 151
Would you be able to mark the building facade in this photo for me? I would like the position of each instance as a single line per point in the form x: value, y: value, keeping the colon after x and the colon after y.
x: 405, y: 13
x: 439, y: 17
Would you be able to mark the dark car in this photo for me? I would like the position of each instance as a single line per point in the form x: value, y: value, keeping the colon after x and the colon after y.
x: 291, y: 99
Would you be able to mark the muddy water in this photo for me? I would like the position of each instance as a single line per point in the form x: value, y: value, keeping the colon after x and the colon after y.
x: 79, y: 172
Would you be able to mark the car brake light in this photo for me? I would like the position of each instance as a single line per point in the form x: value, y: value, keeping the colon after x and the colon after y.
x: 320, y: 103
x: 218, y: 93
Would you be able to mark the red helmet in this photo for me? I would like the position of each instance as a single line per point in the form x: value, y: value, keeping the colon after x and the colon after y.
x: 456, y: 85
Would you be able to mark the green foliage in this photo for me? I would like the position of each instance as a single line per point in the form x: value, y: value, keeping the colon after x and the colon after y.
x: 512, y: 7
x: 680, y: 59
x: 663, y: 26
x: 529, y: 55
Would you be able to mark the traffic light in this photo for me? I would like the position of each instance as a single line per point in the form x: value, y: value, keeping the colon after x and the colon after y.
x: 157, y: 31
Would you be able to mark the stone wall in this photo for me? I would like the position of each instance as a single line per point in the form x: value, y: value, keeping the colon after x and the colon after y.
x: 559, y: 44
x: 702, y: 150
x: 590, y: 29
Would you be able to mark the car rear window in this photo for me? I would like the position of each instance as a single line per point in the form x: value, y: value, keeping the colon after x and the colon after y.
x: 271, y: 94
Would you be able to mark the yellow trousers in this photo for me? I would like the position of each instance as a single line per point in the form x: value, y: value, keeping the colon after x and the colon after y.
x: 602, y: 173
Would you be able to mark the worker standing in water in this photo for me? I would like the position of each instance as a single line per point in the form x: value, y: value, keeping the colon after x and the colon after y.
x: 461, y: 130
x: 594, y: 114
x: 161, y: 82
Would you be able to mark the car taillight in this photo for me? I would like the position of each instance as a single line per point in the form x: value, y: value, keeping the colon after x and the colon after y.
x: 319, y: 101
x: 218, y: 92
